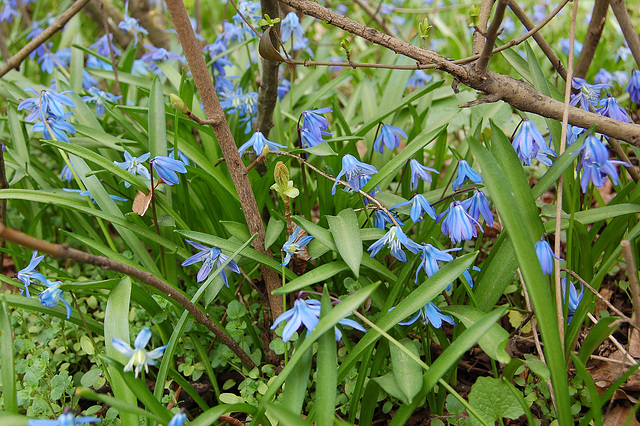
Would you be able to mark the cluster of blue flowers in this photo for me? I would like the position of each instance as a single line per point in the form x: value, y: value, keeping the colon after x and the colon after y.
x: 47, y: 112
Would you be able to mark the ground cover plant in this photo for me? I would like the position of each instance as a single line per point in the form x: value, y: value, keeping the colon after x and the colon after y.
x: 304, y: 212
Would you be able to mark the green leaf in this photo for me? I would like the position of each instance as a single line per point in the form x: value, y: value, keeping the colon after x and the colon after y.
x: 327, y: 366
x: 322, y: 150
x: 407, y: 372
x: 7, y: 375
x: 600, y: 331
x: 157, y: 122
x: 494, y: 399
x: 345, y: 229
x: 594, y: 395
x: 493, y: 342
x: 319, y: 274
x: 285, y: 416
x: 295, y: 387
x: 132, y: 411
x: 211, y: 415
x: 273, y: 232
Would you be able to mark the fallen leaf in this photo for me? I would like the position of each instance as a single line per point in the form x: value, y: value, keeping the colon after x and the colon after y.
x: 141, y: 202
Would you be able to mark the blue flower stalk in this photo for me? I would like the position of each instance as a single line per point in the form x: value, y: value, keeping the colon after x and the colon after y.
x: 294, y: 246
x: 139, y: 358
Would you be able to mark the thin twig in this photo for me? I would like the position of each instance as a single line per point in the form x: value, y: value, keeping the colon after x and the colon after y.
x: 492, y: 34
x: 628, y: 28
x: 611, y: 360
x: 481, y: 26
x: 633, y: 279
x: 614, y: 341
x: 623, y: 157
x: 15, y: 61
x: 373, y: 14
x: 62, y: 251
x: 544, y: 46
x: 559, y: 190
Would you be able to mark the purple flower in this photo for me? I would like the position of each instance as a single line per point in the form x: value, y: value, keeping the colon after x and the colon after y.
x: 102, y: 46
x: 529, y: 143
x: 596, y: 164
x: 158, y: 54
x: 58, y: 125
x: 211, y: 256
x: 573, y: 133
x: 574, y: 298
x: 390, y: 137
x: 313, y: 121
x: 290, y: 27
x: 458, y: 224
x: 603, y: 77
x: 131, y: 25
x: 466, y: 173
x: 545, y: 256
x: 589, y: 94
x: 382, y: 218
x: 479, y: 205
x: 418, y: 79
x: 634, y: 87
x: 166, y: 168
x: 430, y: 258
x: 611, y: 109
x: 353, y: 170
x: 35, y: 32
x: 419, y: 206
x: 396, y: 239
x: 418, y: 171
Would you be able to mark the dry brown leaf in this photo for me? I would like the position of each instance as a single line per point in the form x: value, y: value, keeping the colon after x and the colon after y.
x: 606, y: 293
x: 141, y: 203
x: 618, y: 415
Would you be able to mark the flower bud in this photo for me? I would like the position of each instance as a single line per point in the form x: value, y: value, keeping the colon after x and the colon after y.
x: 424, y: 27
x: 281, y: 174
x: 178, y: 103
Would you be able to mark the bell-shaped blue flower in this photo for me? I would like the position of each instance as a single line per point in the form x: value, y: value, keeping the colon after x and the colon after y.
x: 65, y: 419
x: 313, y: 121
x: 167, y: 167
x: 134, y: 165
x: 419, y: 206
x: 28, y: 273
x: 418, y: 79
x: 353, y: 170
x: 546, y: 256
x: 466, y: 173
x: 418, y: 171
x: 430, y: 314
x: 633, y: 87
x: 292, y: 246
x: 131, y: 25
x: 290, y: 27
x: 574, y: 298
x: 390, y: 137
x: 603, y: 77
x: 259, y: 142
x: 381, y: 219
x: 458, y: 224
x: 430, y: 258
x: 529, y: 143
x: 573, y: 133
x: 178, y: 419
x: 99, y: 97
x: 211, y: 256
x: 52, y: 295
x: 612, y: 109
x: 479, y: 205
x: 395, y: 238
x: 58, y: 125
x: 596, y: 165
x: 138, y: 357
x: 589, y: 94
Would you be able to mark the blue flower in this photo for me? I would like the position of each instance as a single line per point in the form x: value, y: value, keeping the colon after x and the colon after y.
x: 29, y: 272
x: 430, y: 258
x: 178, y: 419
x: 395, y: 238
x: 65, y: 419
x: 35, y: 32
x: 131, y: 25
x: 611, y: 109
x: 236, y: 101
x: 381, y: 219
x: 458, y: 224
x: 419, y: 206
x: 53, y: 295
x: 86, y: 193
x: 529, y: 143
x: 573, y: 133
x: 596, y: 164
x: 58, y: 125
x: 565, y: 45
x: 166, y: 168
x: 8, y: 13
x: 66, y: 174
x: 292, y: 246
x: 283, y: 88
x: 418, y: 79
x: 353, y: 170
x: 290, y: 26
x: 307, y: 313
x: 138, y: 356
x: 313, y: 121
x: 634, y: 87
x: 623, y: 53
x: 134, y: 165
x: 310, y: 139
x: 158, y: 54
x: 102, y: 46
x: 211, y: 256
x: 430, y: 314
x: 466, y: 173
x: 390, y: 137
x: 259, y: 142
x: 47, y: 102
x: 479, y: 205
x: 181, y: 156
x: 418, y: 171
x: 574, y: 298
x: 88, y: 81
x: 545, y: 255
x: 589, y: 94
x: 603, y: 77
x: 99, y: 96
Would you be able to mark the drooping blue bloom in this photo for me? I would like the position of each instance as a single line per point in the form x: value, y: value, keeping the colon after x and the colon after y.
x: 479, y: 205
x: 28, y: 273
x: 65, y: 419
x: 458, y: 224
x: 596, y: 164
x: 603, y: 77
x: 166, y: 168
x: 215, y: 51
x: 396, y: 239
x: 259, y: 142
x: 574, y: 298
x: 611, y: 109
x: 622, y: 53
x: 102, y: 47
x: 467, y: 275
x: 98, y: 97
x: 430, y: 314
x: 589, y: 94
x: 291, y: 246
x: 634, y: 87
x: 381, y: 219
x: 307, y: 313
x: 565, y: 44
x: 134, y: 165
x: 47, y: 102
x: 283, y: 88
x: 309, y: 139
x: 58, y: 125
x: 545, y: 256
x: 573, y: 133
x: 418, y: 79
x: 88, y: 80
x: 66, y: 174
x: 430, y: 258
x: 211, y: 256
x: 99, y: 64
x: 158, y: 54
x: 178, y: 419
x: 181, y: 156
x: 290, y: 27
x: 86, y: 193
x: 313, y: 121
x: 390, y: 137
x: 353, y: 170
x: 8, y: 12
x: 529, y: 143
x: 466, y: 173
x: 418, y: 171
x: 52, y: 295
x: 419, y: 206
x: 35, y: 32
x: 236, y: 101
x: 131, y: 25
x: 621, y: 77
x: 138, y: 356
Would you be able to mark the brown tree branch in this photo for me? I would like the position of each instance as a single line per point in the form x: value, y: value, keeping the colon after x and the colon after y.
x: 113, y: 16
x: 268, y: 93
x: 228, y: 146
x: 492, y: 34
x: 140, y: 9
x: 628, y: 28
x: 515, y: 92
x: 62, y: 251
x: 544, y: 46
x: 481, y: 27
x: 373, y: 14
x: 15, y: 61
x: 594, y: 32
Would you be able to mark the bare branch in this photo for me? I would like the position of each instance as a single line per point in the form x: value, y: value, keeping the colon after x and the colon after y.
x: 492, y: 34
x: 268, y: 93
x: 628, y: 29
x: 481, y: 27
x: 373, y: 14
x: 140, y: 9
x: 598, y: 19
